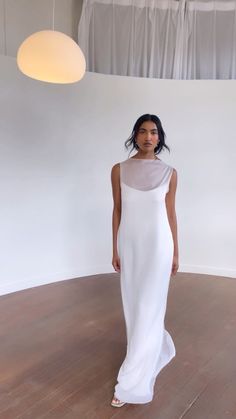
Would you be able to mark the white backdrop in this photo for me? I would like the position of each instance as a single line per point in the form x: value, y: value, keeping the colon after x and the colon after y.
x: 57, y: 148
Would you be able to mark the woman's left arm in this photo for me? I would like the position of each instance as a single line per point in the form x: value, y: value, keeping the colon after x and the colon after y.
x: 170, y: 207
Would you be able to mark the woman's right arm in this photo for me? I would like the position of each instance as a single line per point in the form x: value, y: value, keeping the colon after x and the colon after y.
x: 116, y: 215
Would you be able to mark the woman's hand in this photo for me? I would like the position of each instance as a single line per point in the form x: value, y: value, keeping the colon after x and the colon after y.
x: 116, y: 263
x: 175, y: 265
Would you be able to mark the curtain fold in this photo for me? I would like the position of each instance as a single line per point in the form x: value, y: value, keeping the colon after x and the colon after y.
x: 170, y: 39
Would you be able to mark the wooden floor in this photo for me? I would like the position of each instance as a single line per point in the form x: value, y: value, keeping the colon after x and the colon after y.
x: 62, y: 345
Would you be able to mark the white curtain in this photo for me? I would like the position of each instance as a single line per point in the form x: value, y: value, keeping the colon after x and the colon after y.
x: 160, y: 38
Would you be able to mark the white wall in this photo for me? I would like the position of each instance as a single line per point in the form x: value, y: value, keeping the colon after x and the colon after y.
x: 57, y: 146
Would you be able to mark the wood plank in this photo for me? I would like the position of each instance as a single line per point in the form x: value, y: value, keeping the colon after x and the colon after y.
x: 62, y: 345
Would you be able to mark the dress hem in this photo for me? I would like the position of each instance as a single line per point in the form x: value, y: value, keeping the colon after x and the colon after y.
x: 128, y: 397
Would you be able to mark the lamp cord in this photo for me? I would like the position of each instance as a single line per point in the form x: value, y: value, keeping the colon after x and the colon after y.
x: 4, y: 27
x: 53, y: 14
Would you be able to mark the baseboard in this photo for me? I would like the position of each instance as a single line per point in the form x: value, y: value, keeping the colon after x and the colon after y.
x: 209, y: 270
x: 10, y: 287
x: 13, y: 286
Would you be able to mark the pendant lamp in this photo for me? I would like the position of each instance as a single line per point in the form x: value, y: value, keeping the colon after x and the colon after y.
x: 51, y: 56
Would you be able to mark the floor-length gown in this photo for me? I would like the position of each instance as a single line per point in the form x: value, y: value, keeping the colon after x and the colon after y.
x: 145, y: 247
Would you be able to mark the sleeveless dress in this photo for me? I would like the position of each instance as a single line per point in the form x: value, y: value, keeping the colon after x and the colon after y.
x: 145, y: 247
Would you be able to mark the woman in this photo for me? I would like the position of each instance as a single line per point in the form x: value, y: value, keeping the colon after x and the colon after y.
x: 145, y: 252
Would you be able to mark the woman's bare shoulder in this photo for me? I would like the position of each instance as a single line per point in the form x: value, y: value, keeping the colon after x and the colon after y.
x: 174, y: 178
x: 116, y: 166
x: 115, y: 171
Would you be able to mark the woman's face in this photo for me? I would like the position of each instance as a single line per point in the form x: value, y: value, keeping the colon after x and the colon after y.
x: 147, y: 136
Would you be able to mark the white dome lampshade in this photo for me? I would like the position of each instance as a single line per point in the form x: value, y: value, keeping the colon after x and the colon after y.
x: 51, y: 56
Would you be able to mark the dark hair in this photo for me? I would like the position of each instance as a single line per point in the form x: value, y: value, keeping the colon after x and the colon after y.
x: 138, y: 123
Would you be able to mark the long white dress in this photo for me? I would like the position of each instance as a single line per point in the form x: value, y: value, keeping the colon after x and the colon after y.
x: 145, y: 247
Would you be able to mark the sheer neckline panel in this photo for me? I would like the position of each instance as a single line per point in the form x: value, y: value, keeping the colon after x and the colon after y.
x: 144, y: 176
